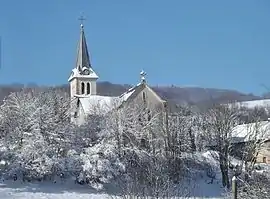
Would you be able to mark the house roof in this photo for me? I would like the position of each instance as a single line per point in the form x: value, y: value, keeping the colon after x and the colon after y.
x: 251, y: 131
x: 253, y: 103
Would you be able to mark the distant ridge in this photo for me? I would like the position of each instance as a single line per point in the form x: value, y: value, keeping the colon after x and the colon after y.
x: 174, y: 94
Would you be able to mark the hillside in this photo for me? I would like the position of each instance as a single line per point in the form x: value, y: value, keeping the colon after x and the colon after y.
x: 174, y: 94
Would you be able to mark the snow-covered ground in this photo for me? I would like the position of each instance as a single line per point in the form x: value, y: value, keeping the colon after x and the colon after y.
x: 18, y: 190
x: 199, y: 187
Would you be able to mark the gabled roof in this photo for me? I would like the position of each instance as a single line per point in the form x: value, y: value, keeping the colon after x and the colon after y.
x: 96, y: 104
x: 130, y: 93
x: 134, y: 91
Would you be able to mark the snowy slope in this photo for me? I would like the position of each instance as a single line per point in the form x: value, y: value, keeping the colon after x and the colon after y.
x: 254, y: 103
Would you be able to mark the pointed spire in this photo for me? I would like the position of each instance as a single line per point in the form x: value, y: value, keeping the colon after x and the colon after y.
x: 83, y: 60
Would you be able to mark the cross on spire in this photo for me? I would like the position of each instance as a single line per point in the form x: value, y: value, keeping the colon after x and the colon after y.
x: 143, y: 74
x: 81, y: 18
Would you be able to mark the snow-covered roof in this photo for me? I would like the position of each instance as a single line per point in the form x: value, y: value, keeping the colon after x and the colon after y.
x: 254, y: 103
x: 129, y: 92
x: 75, y: 73
x: 251, y: 131
x: 97, y: 104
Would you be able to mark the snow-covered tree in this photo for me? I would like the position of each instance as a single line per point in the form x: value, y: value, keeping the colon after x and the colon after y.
x: 36, y: 131
x: 219, y: 122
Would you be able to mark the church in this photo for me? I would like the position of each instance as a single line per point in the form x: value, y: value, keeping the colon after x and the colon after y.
x: 84, y: 95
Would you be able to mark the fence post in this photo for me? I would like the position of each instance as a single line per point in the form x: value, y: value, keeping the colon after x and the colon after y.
x: 234, y: 187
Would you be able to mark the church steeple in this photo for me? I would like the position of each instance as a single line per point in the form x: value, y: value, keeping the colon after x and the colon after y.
x: 83, y: 78
x: 83, y: 60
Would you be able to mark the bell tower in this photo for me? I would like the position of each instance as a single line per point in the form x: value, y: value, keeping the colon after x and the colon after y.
x: 83, y: 78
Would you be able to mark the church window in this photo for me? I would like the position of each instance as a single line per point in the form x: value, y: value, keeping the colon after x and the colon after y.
x: 82, y: 88
x: 165, y: 105
x: 125, y: 139
x: 88, y: 88
x: 140, y: 118
x: 77, y: 106
x: 148, y: 115
x: 144, y: 97
x: 143, y: 143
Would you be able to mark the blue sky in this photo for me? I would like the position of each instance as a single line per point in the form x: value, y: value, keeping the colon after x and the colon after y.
x: 220, y: 44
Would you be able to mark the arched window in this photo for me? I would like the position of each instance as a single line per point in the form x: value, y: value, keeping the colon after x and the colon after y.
x: 140, y: 119
x: 143, y: 142
x: 144, y: 97
x: 148, y: 115
x: 88, y: 88
x: 76, y: 108
x: 82, y: 87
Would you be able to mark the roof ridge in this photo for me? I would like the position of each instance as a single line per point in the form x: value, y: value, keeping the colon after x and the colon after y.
x: 130, y: 90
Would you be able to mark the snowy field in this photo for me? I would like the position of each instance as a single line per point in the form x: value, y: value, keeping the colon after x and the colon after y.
x: 19, y: 190
x: 200, y: 188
